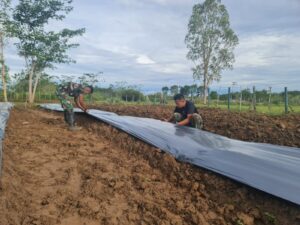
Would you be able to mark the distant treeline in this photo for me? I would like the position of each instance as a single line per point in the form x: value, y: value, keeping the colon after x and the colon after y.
x: 121, y: 91
x: 192, y: 91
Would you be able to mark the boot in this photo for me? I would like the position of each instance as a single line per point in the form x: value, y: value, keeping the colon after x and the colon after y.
x: 71, y: 121
x: 66, y: 116
x: 197, y: 121
x: 75, y: 128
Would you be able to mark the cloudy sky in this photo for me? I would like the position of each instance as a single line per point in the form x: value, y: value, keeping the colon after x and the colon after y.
x: 142, y: 42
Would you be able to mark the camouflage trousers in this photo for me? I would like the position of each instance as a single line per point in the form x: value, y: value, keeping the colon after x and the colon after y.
x: 65, y: 103
x: 196, y: 121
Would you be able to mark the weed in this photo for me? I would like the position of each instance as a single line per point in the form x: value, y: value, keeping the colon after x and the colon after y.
x: 270, y: 218
x: 239, y: 222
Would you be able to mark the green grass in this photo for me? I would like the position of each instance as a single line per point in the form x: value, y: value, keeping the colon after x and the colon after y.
x: 239, y: 222
x: 275, y: 109
x: 270, y: 218
x: 260, y: 108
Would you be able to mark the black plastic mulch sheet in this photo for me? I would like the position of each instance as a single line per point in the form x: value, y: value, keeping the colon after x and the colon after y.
x: 4, y: 114
x: 270, y: 168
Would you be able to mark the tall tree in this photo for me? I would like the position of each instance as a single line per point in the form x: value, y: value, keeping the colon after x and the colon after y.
x: 65, y: 79
x: 210, y: 42
x: 213, y: 95
x: 200, y: 91
x: 193, y: 90
x: 91, y: 78
x: 4, y: 16
x: 174, y: 89
x: 165, y: 90
x: 185, y: 90
x: 41, y: 48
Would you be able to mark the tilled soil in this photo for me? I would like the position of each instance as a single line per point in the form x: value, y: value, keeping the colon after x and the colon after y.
x: 247, y: 126
x: 102, y: 176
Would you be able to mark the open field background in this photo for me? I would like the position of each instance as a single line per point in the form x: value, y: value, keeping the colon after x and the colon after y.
x: 239, y: 99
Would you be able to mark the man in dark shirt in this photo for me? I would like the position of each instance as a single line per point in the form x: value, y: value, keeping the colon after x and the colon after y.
x: 185, y: 113
x: 76, y: 91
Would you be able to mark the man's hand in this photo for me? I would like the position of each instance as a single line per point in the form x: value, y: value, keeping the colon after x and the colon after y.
x: 84, y: 110
x: 184, y: 122
x: 80, y: 104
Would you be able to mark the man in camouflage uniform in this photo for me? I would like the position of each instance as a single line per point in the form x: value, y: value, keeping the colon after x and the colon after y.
x: 76, y: 91
x: 185, y: 113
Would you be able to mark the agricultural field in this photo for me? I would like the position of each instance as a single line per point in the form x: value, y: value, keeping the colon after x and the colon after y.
x: 246, y: 126
x: 119, y: 73
x: 101, y: 175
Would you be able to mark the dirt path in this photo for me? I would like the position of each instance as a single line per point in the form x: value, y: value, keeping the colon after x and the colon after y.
x: 101, y: 176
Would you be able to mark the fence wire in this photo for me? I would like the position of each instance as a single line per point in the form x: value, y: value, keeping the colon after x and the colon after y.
x: 263, y: 99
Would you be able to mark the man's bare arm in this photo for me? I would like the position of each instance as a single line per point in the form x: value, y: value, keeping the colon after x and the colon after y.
x: 185, y: 121
x: 80, y: 103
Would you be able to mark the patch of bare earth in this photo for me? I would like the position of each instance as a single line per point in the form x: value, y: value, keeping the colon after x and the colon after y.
x: 102, y: 176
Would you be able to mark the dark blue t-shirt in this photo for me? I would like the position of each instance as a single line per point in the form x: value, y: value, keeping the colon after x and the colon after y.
x: 189, y: 108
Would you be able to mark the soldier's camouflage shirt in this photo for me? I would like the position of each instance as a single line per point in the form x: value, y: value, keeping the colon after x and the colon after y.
x: 70, y: 89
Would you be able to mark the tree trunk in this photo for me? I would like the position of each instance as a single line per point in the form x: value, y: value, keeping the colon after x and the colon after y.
x: 3, y: 68
x: 35, y: 86
x: 241, y: 98
x: 269, y: 103
x: 206, y: 60
x: 204, y: 90
x: 30, y: 87
x: 205, y: 80
x: 30, y: 98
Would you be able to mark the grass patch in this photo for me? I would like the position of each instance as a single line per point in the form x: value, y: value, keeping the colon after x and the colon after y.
x: 270, y: 218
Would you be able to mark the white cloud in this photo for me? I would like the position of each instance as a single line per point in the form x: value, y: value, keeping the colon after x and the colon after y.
x: 142, y: 41
x: 262, y: 50
x: 144, y: 60
x: 165, y: 2
x: 160, y: 2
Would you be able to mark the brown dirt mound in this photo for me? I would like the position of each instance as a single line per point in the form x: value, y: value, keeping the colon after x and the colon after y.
x: 102, y: 176
x: 281, y: 130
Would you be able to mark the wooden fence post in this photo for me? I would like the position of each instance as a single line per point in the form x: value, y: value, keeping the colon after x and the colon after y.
x: 254, y: 99
x: 229, y: 91
x: 286, y: 100
x: 208, y: 101
x: 241, y: 99
x: 269, y: 103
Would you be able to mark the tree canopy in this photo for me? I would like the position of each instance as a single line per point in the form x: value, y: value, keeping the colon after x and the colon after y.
x: 210, y: 42
x: 4, y: 16
x: 40, y: 47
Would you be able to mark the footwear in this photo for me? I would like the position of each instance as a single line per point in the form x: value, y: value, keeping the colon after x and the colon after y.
x: 70, y: 118
x: 197, y: 121
x: 66, y: 116
x: 71, y: 121
x: 75, y: 128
